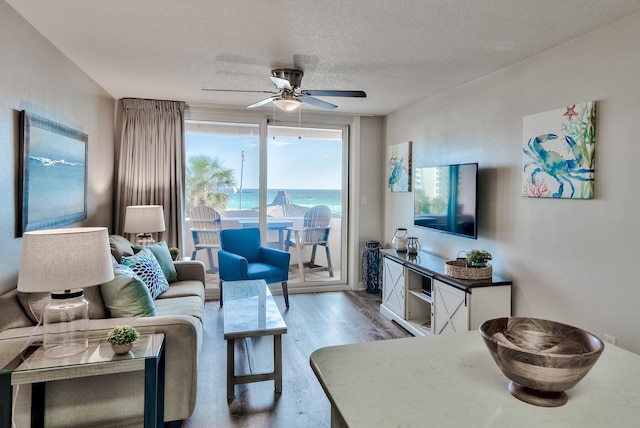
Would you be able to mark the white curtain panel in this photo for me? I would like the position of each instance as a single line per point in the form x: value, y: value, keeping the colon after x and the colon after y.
x: 151, y: 163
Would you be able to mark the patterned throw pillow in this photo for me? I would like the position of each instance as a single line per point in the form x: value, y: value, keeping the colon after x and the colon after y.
x: 146, y: 266
x: 161, y: 251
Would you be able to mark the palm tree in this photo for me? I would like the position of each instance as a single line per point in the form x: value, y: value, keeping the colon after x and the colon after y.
x: 206, y: 181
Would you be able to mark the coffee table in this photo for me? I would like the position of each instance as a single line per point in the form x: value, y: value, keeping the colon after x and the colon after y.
x: 33, y: 367
x: 250, y: 311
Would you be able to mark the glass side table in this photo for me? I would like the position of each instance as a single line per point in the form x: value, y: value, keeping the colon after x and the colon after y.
x: 32, y: 367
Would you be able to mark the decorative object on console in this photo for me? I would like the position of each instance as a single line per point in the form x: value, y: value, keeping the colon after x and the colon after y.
x: 461, y: 270
x: 399, y: 241
x: 54, y: 174
x: 62, y: 261
x: 478, y: 258
x: 371, y: 268
x: 473, y: 266
x: 121, y: 338
x: 400, y: 167
x: 541, y: 358
x: 413, y: 245
x: 558, y: 152
x: 144, y: 220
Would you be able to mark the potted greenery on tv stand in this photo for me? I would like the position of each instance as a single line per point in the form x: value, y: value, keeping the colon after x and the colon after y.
x: 475, y: 266
x: 478, y: 258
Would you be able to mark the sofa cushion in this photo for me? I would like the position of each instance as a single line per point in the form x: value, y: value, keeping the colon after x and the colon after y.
x: 188, y: 305
x: 12, y: 315
x: 120, y: 246
x: 126, y: 295
x: 162, y: 254
x: 146, y: 266
x: 184, y: 288
x: 34, y: 303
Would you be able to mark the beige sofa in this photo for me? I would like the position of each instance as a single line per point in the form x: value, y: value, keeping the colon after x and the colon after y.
x: 117, y: 400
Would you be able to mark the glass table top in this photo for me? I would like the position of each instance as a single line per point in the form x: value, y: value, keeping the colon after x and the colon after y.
x: 249, y: 310
x: 95, y: 358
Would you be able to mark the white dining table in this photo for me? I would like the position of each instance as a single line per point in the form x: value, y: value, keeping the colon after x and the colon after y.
x: 450, y: 380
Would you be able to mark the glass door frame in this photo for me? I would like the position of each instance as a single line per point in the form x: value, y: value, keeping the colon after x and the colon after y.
x: 350, y: 272
x: 345, y: 188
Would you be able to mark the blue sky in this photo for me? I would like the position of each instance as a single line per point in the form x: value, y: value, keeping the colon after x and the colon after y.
x: 293, y: 163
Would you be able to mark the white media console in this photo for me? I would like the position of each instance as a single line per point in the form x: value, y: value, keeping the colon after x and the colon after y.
x: 418, y: 295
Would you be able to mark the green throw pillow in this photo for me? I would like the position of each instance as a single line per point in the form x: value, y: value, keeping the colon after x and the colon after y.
x: 161, y: 251
x: 126, y: 295
x: 146, y: 266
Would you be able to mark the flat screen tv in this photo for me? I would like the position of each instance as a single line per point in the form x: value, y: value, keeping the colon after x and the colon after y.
x: 445, y: 199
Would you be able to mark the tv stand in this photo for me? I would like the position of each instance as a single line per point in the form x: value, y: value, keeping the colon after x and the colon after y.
x: 418, y: 295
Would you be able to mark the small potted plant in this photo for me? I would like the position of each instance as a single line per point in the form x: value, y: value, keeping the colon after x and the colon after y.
x: 175, y: 252
x: 478, y: 258
x: 121, y: 338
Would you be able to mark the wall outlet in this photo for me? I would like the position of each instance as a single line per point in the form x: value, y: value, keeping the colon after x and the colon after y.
x: 611, y: 340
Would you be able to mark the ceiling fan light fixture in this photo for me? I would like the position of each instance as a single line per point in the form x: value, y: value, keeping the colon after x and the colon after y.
x: 287, y: 104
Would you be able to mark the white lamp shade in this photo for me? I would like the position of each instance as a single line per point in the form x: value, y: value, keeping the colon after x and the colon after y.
x: 144, y: 219
x: 62, y: 259
x: 287, y: 104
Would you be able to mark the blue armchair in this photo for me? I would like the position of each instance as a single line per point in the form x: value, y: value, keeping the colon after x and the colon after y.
x: 243, y: 257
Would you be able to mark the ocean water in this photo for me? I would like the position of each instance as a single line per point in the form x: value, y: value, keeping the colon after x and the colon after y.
x: 56, y: 188
x: 304, y: 197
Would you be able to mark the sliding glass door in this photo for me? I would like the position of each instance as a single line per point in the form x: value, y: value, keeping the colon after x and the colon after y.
x: 271, y: 177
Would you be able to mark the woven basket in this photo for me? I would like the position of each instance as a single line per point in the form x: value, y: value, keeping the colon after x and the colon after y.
x: 458, y: 269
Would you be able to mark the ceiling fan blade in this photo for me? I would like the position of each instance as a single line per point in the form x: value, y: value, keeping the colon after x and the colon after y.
x: 239, y: 90
x: 331, y: 93
x: 317, y: 103
x: 261, y: 103
x: 281, y: 83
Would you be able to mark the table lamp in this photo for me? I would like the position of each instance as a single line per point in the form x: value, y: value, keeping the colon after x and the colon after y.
x: 62, y: 261
x: 144, y: 220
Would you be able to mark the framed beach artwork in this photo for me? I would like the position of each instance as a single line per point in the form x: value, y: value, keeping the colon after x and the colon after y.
x: 558, y: 150
x: 54, y: 174
x: 399, y: 165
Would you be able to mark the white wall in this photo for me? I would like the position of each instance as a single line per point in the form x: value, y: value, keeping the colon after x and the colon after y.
x: 572, y: 261
x: 36, y: 77
x: 369, y: 198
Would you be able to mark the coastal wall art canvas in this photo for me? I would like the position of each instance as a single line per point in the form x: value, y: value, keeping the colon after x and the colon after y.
x: 399, y: 164
x: 558, y: 153
x: 54, y: 174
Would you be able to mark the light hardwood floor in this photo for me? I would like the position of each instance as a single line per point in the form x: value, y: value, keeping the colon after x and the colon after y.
x: 313, y: 321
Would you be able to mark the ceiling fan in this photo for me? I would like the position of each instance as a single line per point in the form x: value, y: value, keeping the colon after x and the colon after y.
x: 289, y: 96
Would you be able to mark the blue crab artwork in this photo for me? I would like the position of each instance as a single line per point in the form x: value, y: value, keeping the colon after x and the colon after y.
x: 558, y: 153
x: 552, y: 163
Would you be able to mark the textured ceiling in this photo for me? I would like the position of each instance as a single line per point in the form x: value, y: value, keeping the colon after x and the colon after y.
x: 399, y: 52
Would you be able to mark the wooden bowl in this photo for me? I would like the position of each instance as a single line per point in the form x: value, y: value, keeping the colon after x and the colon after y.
x: 541, y: 358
